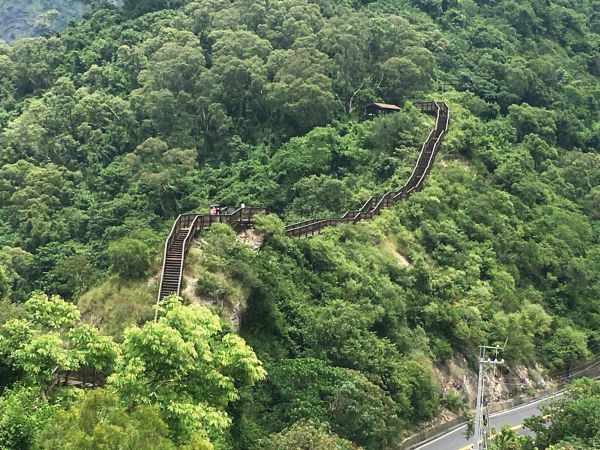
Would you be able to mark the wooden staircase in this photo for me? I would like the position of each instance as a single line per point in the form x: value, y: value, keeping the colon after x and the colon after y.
x: 375, y: 204
x: 171, y: 277
x: 180, y: 239
x: 187, y: 225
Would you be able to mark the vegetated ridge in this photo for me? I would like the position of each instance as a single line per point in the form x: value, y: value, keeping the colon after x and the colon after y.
x: 186, y: 226
x: 113, y: 127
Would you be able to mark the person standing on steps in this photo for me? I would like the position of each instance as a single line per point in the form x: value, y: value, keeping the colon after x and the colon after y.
x: 213, y: 210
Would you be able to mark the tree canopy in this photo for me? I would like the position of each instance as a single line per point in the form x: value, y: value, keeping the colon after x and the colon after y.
x: 135, y: 114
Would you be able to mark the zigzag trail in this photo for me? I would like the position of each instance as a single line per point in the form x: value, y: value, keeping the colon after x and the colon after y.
x: 186, y: 226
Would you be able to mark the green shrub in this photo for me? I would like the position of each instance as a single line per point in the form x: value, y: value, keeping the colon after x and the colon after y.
x: 306, y: 434
x: 441, y: 349
x: 453, y: 401
x: 211, y: 286
x: 4, y: 284
x: 117, y: 304
x: 269, y: 225
x: 22, y: 414
x: 129, y: 258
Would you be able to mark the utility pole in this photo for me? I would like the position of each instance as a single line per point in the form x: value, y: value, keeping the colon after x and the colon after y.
x: 484, y: 362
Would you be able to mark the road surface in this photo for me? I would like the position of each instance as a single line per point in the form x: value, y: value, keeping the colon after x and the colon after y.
x: 455, y: 439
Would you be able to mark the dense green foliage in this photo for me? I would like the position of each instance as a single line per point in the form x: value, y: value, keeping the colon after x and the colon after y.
x: 98, y: 422
x: 129, y: 258
x: 170, y: 381
x: 307, y: 435
x: 132, y: 116
x: 575, y: 419
x: 568, y: 423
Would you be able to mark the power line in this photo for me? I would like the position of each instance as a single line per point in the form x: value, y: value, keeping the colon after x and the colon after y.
x: 570, y: 372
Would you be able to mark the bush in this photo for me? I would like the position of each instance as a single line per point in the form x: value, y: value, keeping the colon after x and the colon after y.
x: 211, y: 286
x: 306, y: 434
x: 99, y: 419
x: 22, y: 414
x: 4, y: 284
x: 453, y: 401
x: 116, y: 304
x: 129, y: 258
x: 441, y: 349
x: 269, y: 225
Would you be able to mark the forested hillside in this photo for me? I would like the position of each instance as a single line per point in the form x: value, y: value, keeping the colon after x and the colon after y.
x: 111, y: 129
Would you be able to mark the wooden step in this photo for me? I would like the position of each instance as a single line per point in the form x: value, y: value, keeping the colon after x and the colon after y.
x: 176, y: 251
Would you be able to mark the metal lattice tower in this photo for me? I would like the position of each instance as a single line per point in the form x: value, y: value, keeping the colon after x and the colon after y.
x: 484, y: 362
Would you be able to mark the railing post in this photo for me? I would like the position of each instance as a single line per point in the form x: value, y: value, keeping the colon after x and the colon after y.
x: 369, y: 209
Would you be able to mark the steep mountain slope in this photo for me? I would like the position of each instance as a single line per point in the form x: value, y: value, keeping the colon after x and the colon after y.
x: 133, y: 116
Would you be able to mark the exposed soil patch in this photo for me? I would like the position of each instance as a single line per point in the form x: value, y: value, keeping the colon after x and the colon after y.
x: 230, y: 305
x: 391, y: 248
x: 251, y: 238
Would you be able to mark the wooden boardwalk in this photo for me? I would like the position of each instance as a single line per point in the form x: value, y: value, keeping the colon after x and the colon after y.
x: 186, y: 226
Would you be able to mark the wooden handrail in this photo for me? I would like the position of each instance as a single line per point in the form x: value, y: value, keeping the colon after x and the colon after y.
x: 242, y: 217
x: 167, y: 245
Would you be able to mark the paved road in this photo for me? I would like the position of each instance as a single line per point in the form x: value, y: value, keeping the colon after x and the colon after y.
x: 455, y: 439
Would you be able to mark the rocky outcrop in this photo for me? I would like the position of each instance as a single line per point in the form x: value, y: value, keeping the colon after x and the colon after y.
x: 503, y: 383
x: 26, y: 19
